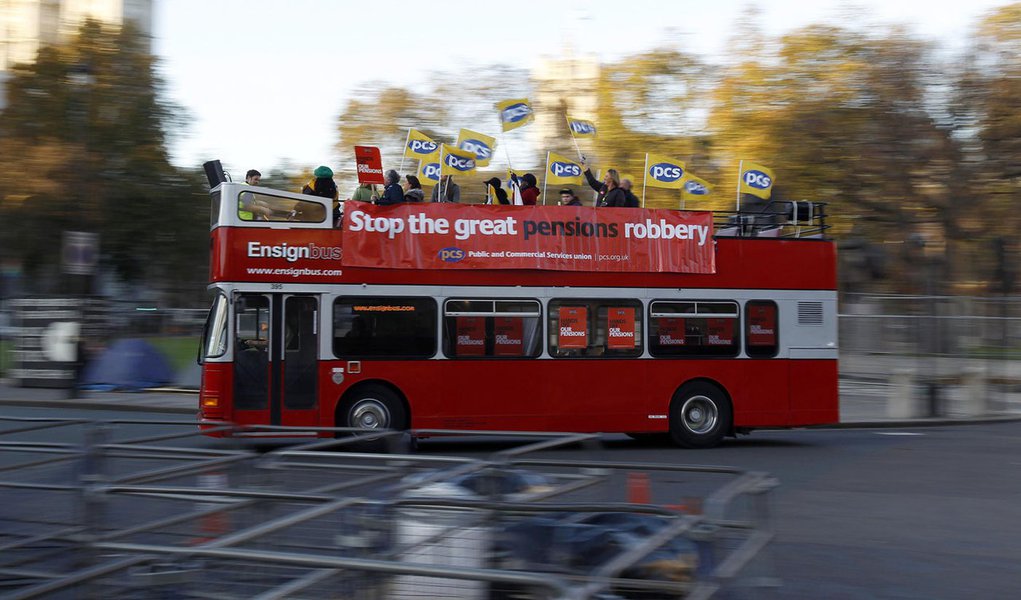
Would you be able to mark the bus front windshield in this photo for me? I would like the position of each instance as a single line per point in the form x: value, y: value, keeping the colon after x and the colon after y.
x: 214, y: 342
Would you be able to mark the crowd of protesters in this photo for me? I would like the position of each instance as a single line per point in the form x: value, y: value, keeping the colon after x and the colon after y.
x: 612, y: 191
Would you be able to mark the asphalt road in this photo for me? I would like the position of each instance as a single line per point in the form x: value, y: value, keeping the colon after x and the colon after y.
x: 928, y: 512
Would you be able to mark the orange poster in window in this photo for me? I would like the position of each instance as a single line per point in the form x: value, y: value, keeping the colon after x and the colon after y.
x: 762, y: 325
x: 671, y: 331
x: 509, y: 340
x: 471, y: 336
x: 620, y: 328
x: 573, y: 327
x: 721, y: 332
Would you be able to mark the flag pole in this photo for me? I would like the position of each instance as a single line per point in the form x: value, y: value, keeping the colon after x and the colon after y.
x: 404, y: 152
x: 573, y: 139
x: 442, y: 186
x: 645, y: 176
x: 439, y: 184
x: 740, y: 167
x: 545, y: 179
x: 505, y: 151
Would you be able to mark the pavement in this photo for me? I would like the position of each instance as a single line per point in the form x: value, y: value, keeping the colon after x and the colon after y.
x: 968, y: 392
x: 163, y: 400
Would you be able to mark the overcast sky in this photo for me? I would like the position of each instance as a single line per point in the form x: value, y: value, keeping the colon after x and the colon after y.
x: 264, y: 81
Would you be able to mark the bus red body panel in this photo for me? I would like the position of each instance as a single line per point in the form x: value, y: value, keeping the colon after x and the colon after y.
x: 741, y: 263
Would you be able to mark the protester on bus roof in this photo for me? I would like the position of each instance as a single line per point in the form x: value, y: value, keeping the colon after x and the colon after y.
x: 499, y: 194
x: 567, y: 198
x: 451, y: 191
x: 630, y: 200
x: 365, y: 192
x: 413, y: 191
x: 609, y: 190
x: 251, y: 208
x: 323, y: 185
x: 392, y: 192
x: 529, y: 190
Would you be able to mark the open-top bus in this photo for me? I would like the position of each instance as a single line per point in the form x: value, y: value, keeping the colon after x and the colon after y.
x: 314, y: 326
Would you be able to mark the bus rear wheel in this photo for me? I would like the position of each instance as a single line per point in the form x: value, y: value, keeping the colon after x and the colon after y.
x: 700, y: 415
x: 373, y: 407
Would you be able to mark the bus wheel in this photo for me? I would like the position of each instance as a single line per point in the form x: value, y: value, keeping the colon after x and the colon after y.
x: 373, y: 407
x: 700, y: 415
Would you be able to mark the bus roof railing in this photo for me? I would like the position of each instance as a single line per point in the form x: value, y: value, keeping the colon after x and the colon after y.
x: 774, y: 219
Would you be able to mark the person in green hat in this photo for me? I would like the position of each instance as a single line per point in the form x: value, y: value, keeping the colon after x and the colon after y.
x: 322, y: 185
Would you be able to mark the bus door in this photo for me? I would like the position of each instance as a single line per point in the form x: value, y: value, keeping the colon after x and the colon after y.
x: 276, y: 358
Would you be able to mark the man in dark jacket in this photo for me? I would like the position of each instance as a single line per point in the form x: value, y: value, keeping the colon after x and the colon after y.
x: 392, y: 191
x: 567, y: 198
x: 610, y: 193
x: 631, y: 201
x: 451, y: 191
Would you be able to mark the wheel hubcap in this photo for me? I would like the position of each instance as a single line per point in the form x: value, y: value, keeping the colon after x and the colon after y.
x: 370, y: 414
x: 700, y: 414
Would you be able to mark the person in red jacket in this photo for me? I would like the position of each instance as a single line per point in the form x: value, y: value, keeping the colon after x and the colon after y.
x: 529, y: 190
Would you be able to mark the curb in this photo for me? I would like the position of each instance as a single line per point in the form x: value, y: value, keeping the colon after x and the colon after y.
x: 96, y: 405
x: 920, y: 422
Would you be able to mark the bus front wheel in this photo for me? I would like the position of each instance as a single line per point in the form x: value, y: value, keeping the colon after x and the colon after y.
x: 700, y: 415
x: 373, y: 407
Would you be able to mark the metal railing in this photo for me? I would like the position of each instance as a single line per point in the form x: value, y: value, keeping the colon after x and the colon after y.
x: 102, y: 514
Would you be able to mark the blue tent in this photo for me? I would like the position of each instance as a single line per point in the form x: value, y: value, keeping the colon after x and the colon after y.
x: 130, y: 364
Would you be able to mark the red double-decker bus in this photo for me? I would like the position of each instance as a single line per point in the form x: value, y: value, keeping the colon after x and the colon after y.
x: 468, y: 317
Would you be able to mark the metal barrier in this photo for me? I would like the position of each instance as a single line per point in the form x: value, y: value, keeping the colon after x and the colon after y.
x: 173, y: 514
x: 942, y: 356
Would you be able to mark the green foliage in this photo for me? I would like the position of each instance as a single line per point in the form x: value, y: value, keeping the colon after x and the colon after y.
x: 84, y: 138
x: 180, y: 351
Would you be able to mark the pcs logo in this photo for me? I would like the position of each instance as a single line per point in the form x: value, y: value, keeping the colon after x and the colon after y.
x: 757, y: 180
x: 564, y: 169
x: 431, y: 171
x: 695, y: 188
x: 478, y: 148
x: 515, y: 112
x: 582, y: 128
x: 452, y: 255
x: 461, y: 164
x: 666, y: 172
x: 422, y: 147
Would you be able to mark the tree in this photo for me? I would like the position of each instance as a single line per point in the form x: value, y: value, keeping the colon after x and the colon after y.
x: 84, y: 139
x: 649, y: 103
x: 848, y: 118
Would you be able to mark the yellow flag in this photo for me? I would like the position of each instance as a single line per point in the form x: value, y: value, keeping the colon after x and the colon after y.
x: 479, y: 144
x: 695, y: 188
x: 454, y: 161
x: 419, y: 145
x: 581, y: 128
x: 756, y: 180
x: 514, y: 113
x: 663, y: 172
x: 429, y: 169
x: 561, y: 170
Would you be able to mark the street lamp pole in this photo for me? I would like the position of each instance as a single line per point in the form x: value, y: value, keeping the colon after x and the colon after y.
x: 79, y: 247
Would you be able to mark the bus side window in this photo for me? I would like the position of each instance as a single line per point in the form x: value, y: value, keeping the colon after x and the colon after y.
x: 761, y: 329
x: 492, y: 328
x: 384, y: 327
x: 604, y: 328
x: 694, y: 328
